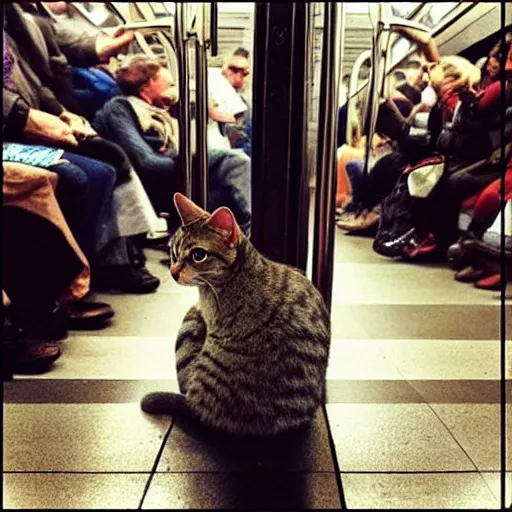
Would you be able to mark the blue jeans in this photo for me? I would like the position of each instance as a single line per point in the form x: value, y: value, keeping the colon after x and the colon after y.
x: 84, y: 194
x: 229, y: 184
x: 354, y: 170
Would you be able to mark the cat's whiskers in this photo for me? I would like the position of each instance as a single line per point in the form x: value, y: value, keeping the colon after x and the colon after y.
x: 203, y: 280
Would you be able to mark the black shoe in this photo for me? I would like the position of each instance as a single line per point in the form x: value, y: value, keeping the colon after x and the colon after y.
x: 148, y: 281
x: 124, y: 278
x: 35, y: 358
x: 83, y: 315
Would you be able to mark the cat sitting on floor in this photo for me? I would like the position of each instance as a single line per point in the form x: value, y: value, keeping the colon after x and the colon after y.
x: 252, y: 355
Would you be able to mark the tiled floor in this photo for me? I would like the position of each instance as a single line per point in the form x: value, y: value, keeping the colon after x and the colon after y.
x: 413, y: 408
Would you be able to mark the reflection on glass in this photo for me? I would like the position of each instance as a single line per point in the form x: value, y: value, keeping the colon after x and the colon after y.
x: 400, y: 49
x: 436, y: 12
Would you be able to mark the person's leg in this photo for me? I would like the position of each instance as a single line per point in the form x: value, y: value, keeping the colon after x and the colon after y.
x: 354, y: 170
x: 382, y: 178
x: 108, y: 152
x: 230, y: 184
x: 99, y: 208
x: 116, y: 269
x: 37, y: 267
x: 465, y: 183
x: 488, y: 204
x: 73, y: 195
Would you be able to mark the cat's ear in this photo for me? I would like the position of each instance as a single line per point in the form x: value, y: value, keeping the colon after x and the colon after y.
x: 188, y: 210
x: 223, y: 220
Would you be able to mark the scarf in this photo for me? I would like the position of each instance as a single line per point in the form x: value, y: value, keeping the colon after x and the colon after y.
x: 156, y: 119
x: 8, y: 65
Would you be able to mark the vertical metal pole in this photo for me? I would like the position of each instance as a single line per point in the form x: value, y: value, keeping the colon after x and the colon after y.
x: 302, y: 98
x: 503, y: 310
x: 200, y: 174
x: 181, y: 42
x: 214, y: 28
x: 326, y: 155
x: 279, y: 170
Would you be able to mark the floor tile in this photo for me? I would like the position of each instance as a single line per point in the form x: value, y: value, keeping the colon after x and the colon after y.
x: 192, y: 449
x: 81, y: 391
x: 372, y: 392
x: 409, y: 321
x: 70, y: 437
x: 477, y: 428
x: 359, y: 359
x: 417, y: 491
x: 460, y: 391
x: 494, y: 482
x: 444, y: 358
x: 278, y: 491
x: 393, y: 437
x: 376, y: 283
x: 115, y: 357
x: 154, y: 314
x: 72, y: 491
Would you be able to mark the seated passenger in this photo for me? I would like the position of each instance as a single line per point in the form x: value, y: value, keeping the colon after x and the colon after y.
x: 485, y: 211
x: 394, y: 121
x: 30, y: 208
x: 447, y: 77
x: 236, y: 70
x: 467, y: 145
x: 34, y: 87
x: 141, y: 124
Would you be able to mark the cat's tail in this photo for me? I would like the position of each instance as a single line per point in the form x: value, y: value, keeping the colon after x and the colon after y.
x: 163, y: 402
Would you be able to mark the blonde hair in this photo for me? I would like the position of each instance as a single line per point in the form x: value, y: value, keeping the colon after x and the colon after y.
x: 458, y: 72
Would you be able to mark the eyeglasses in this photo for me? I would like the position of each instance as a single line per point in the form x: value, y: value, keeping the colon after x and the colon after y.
x: 236, y: 70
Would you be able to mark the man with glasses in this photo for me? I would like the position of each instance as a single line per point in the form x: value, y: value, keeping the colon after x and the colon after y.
x: 236, y: 70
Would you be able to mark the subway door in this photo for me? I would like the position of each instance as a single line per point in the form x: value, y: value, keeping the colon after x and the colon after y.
x: 279, y: 156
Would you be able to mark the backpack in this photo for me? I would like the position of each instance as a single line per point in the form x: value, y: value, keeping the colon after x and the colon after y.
x: 402, y: 210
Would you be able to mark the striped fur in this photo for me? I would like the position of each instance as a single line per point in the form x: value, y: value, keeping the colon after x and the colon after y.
x: 252, y: 355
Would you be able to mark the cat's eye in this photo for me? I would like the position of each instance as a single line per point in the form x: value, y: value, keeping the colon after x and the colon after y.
x: 199, y: 255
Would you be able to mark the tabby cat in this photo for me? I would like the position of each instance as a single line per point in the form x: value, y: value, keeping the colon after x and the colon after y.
x: 252, y: 355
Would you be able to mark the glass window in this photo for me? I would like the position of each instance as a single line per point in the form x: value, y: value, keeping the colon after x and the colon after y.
x: 159, y: 9
x: 101, y: 15
x: 404, y: 9
x: 400, y: 49
x: 435, y: 13
x: 357, y: 7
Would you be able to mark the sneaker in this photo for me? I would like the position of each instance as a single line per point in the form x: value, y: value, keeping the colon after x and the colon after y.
x: 346, y: 218
x: 354, y: 222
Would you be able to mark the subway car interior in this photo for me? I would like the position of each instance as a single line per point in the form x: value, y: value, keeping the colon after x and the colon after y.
x: 366, y: 144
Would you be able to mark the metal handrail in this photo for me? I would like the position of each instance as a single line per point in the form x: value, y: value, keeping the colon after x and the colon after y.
x: 200, y: 170
x: 197, y: 36
x: 184, y: 103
